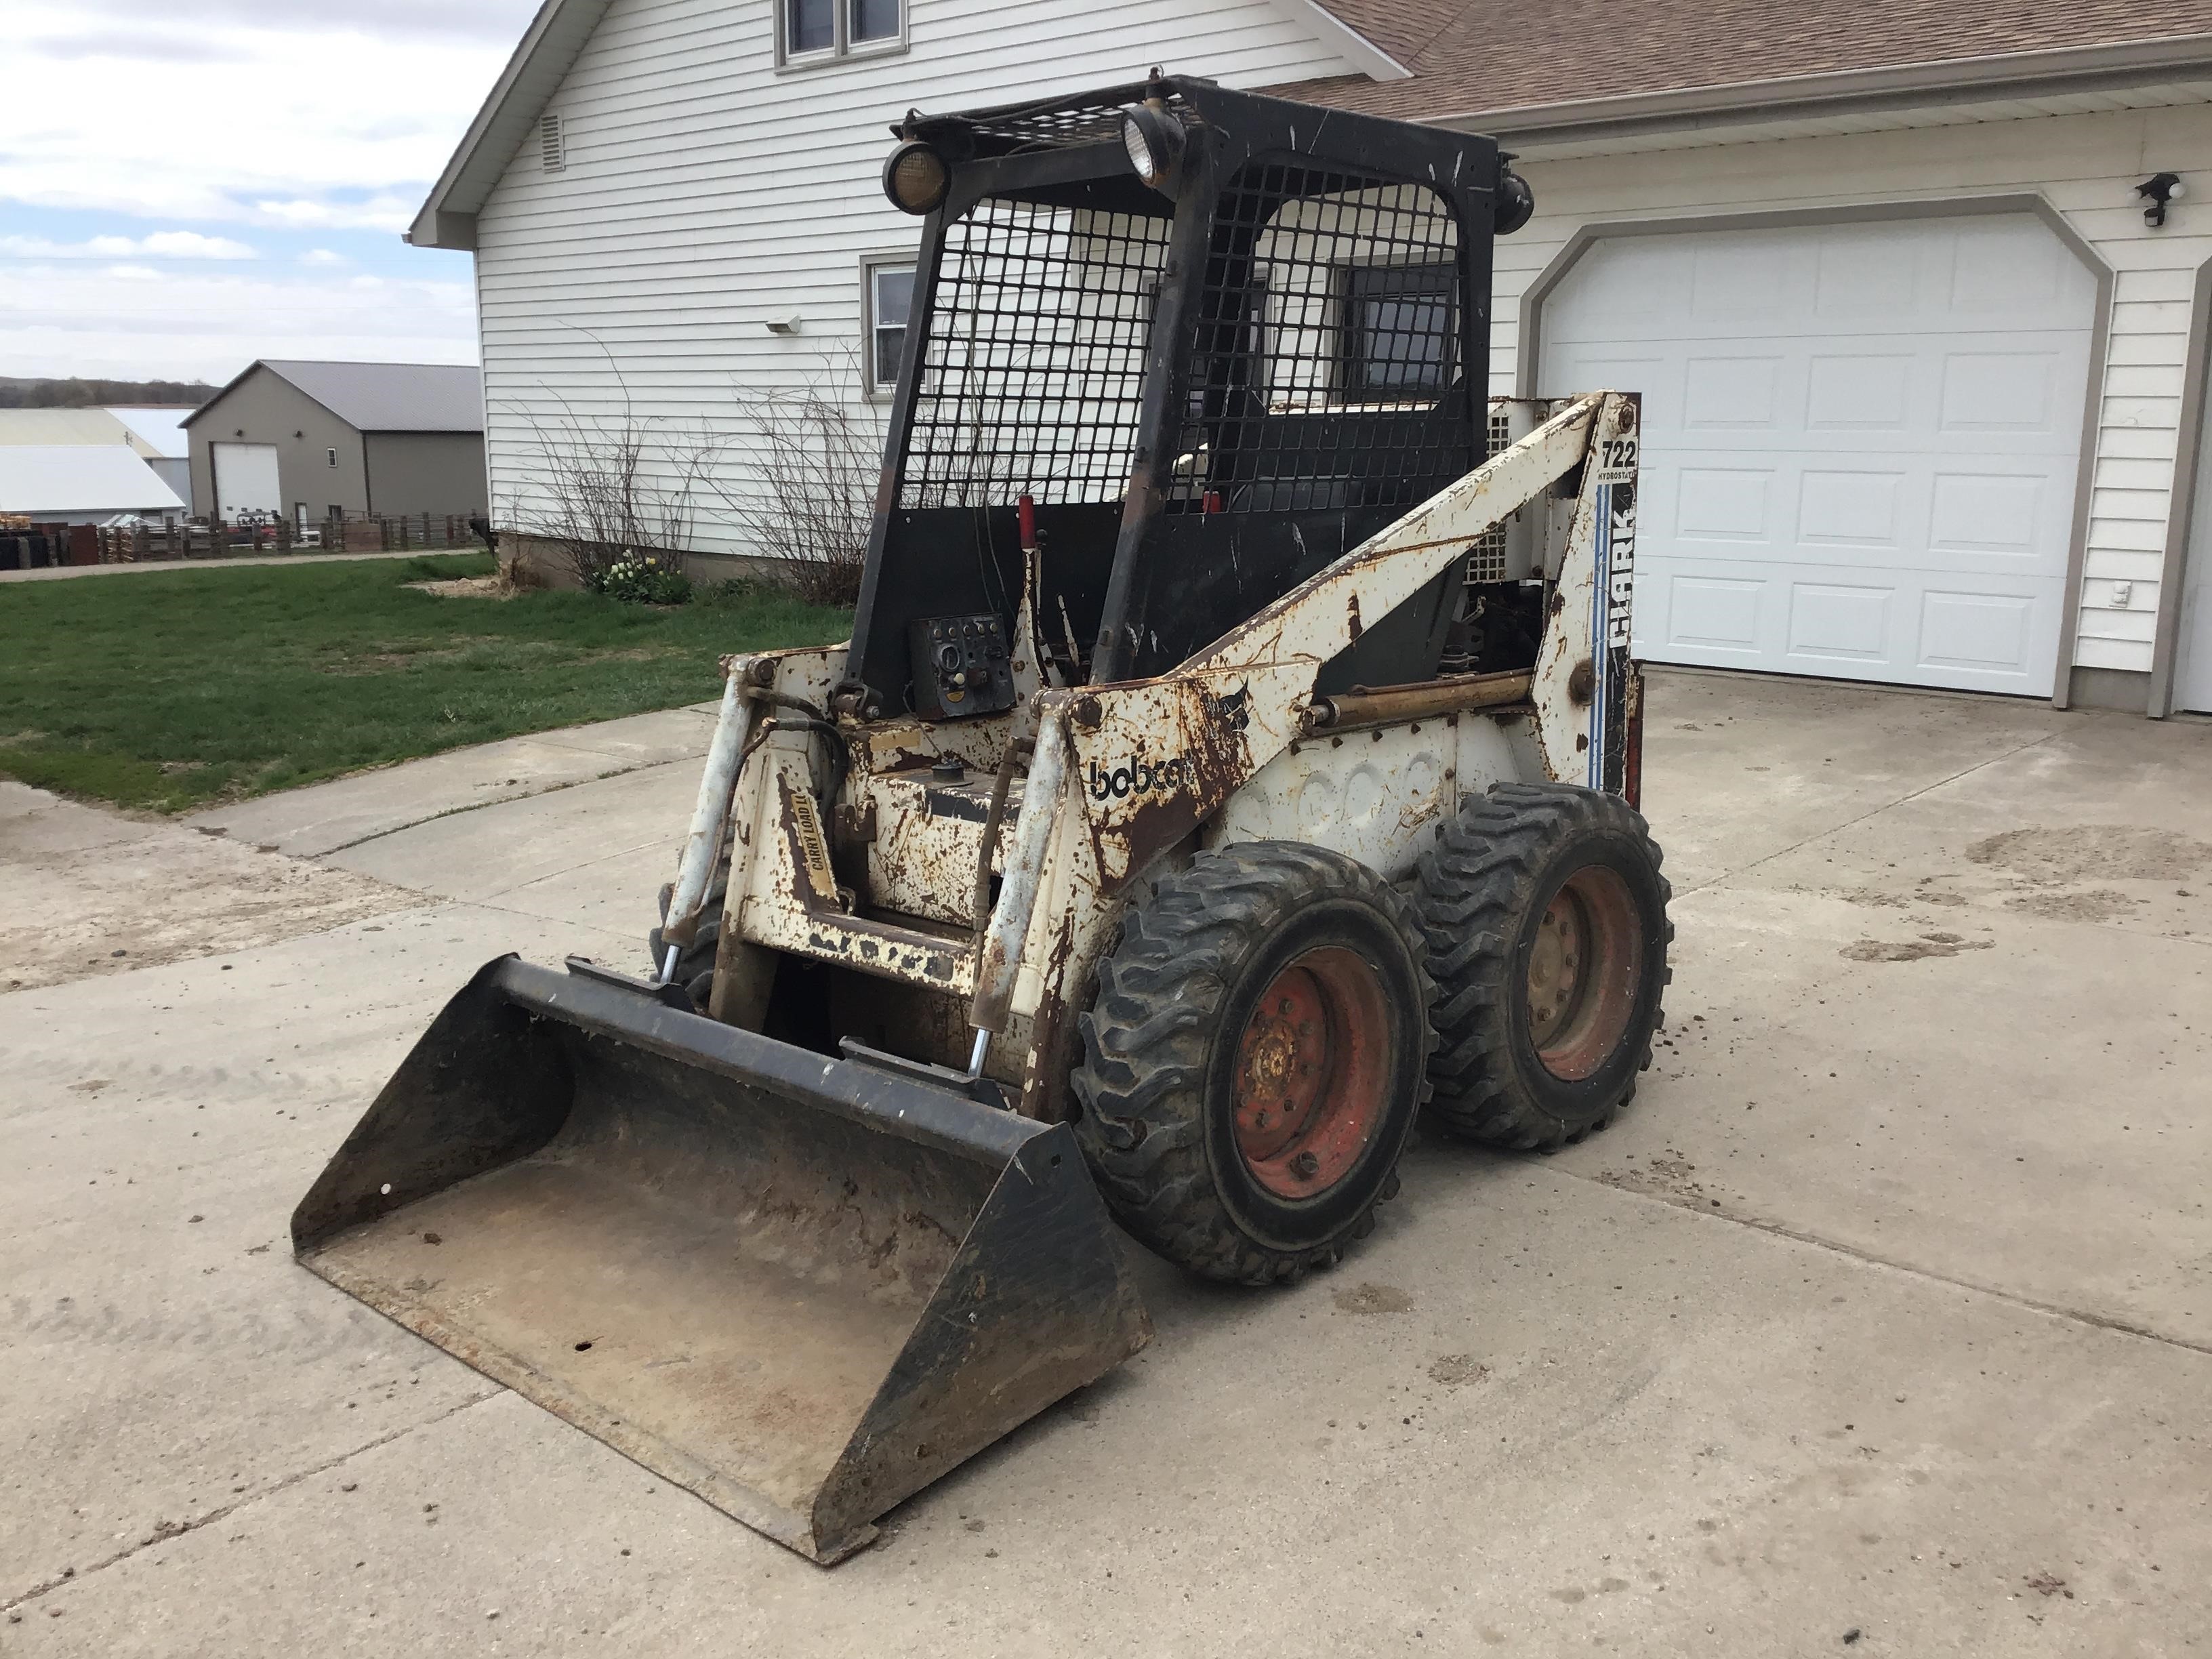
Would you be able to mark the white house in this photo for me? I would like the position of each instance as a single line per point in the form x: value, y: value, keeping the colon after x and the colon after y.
x: 1924, y: 367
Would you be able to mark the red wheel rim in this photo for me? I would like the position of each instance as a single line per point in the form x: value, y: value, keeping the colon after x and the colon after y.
x: 1584, y: 969
x: 1310, y: 1073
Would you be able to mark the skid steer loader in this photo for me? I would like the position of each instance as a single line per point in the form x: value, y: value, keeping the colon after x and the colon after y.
x: 1235, y: 753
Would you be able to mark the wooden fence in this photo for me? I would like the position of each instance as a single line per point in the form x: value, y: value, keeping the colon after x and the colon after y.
x: 384, y: 533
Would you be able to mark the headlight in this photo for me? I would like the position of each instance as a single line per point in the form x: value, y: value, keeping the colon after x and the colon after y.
x: 1154, y: 139
x: 916, y: 178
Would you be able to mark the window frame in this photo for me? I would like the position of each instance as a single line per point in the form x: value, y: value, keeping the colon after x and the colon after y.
x: 842, y: 48
x: 1363, y: 283
x: 874, y: 386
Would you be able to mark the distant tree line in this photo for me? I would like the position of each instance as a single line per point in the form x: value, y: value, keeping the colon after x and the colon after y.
x: 18, y: 393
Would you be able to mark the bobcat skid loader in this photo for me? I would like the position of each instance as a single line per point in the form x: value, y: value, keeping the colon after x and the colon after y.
x: 1235, y: 754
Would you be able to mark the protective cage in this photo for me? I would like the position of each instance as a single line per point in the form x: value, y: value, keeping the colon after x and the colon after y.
x: 1209, y: 391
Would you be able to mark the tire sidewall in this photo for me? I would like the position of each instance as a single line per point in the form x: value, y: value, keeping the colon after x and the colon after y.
x: 1266, y: 1218
x: 1581, y: 1100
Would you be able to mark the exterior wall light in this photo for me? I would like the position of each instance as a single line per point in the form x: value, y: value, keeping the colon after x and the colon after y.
x: 2158, y: 190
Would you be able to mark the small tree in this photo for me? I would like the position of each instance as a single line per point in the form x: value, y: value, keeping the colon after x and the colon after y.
x: 813, y: 457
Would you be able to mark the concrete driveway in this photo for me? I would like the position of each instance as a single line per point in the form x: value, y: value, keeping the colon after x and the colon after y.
x: 1880, y: 1322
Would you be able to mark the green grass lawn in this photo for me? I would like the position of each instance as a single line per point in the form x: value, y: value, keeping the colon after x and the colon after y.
x: 179, y: 689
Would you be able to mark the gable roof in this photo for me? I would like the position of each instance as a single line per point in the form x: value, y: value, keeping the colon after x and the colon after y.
x: 1584, y: 62
x: 79, y: 478
x: 558, y: 33
x: 381, y: 397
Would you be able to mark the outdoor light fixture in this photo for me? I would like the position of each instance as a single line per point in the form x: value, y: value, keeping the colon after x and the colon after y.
x: 916, y: 178
x: 1154, y: 139
x: 2158, y: 190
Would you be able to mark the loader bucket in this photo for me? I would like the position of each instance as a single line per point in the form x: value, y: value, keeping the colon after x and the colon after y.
x: 802, y: 1288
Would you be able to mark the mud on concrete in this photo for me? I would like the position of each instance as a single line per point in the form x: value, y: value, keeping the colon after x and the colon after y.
x: 85, y: 892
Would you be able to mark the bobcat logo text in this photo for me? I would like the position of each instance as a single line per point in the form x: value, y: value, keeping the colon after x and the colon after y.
x: 1138, y: 777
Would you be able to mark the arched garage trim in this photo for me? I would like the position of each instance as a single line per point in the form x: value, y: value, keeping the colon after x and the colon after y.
x: 1528, y: 354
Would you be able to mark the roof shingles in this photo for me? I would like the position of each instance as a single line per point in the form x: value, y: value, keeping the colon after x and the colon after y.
x: 1470, y: 56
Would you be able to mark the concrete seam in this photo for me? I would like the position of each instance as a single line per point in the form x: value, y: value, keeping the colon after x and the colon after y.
x: 476, y: 806
x: 1871, y: 812
x: 223, y: 1510
x: 2052, y: 1310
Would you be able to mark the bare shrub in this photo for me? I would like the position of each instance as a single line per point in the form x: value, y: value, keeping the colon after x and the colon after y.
x: 614, y: 486
x: 812, y: 457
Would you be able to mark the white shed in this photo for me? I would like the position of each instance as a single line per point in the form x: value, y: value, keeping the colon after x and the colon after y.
x: 1924, y: 365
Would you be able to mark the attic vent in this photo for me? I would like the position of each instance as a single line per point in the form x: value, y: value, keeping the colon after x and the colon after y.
x: 550, y: 147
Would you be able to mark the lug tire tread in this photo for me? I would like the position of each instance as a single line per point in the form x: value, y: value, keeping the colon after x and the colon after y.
x: 1142, y: 1075
x: 1475, y: 881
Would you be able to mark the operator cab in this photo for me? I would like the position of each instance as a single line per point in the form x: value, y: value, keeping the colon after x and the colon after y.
x: 1174, y: 351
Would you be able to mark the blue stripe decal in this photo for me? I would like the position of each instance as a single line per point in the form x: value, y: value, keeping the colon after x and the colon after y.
x: 1600, y: 607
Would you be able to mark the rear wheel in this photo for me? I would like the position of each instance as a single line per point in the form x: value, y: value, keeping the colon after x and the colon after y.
x: 1548, y: 933
x: 1252, y: 1060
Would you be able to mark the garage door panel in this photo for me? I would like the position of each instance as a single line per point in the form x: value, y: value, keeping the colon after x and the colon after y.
x: 1711, y: 619
x: 1833, y: 623
x: 1729, y: 394
x: 1859, y: 441
x: 1989, y: 520
x: 1720, y: 504
x: 1861, y: 393
x: 1983, y: 634
x: 1856, y: 509
x: 2008, y: 391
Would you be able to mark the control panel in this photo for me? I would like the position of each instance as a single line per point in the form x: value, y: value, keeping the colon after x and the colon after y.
x: 960, y: 667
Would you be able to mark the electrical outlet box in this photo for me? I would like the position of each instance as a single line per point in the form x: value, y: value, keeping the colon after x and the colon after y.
x: 2123, y: 594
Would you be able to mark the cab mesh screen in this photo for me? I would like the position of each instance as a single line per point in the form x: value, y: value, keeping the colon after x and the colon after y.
x: 1033, y: 366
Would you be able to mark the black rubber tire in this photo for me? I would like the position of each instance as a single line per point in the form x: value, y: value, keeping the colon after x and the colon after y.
x: 1484, y: 890
x: 694, y: 962
x: 1160, y: 1047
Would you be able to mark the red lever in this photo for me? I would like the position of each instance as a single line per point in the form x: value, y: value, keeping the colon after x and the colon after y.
x: 1025, y: 510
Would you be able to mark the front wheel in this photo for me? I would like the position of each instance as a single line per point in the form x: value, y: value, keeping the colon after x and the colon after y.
x: 1253, y: 1062
x: 1548, y: 933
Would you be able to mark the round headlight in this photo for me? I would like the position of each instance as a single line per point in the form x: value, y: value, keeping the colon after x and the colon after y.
x: 1154, y: 139
x: 916, y: 178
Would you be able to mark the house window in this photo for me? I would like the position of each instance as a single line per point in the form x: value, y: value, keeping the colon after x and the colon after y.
x: 809, y: 31
x: 889, y: 290
x: 1398, y: 324
x: 333, y: 454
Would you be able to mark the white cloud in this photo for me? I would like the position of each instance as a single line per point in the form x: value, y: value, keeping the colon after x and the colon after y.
x: 323, y: 257
x: 136, y: 323
x: 306, y: 135
x: 382, y: 212
x: 161, y: 245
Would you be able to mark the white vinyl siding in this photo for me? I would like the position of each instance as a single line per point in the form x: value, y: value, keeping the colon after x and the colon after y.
x: 2084, y: 164
x: 707, y: 194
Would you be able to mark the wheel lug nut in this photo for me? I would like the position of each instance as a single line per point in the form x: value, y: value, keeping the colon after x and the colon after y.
x: 1305, y: 1166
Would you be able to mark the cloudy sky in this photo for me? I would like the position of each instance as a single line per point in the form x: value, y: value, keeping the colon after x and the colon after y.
x: 188, y: 184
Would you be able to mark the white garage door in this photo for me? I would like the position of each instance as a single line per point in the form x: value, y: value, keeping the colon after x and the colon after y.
x: 1861, y: 441
x: 245, y: 480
